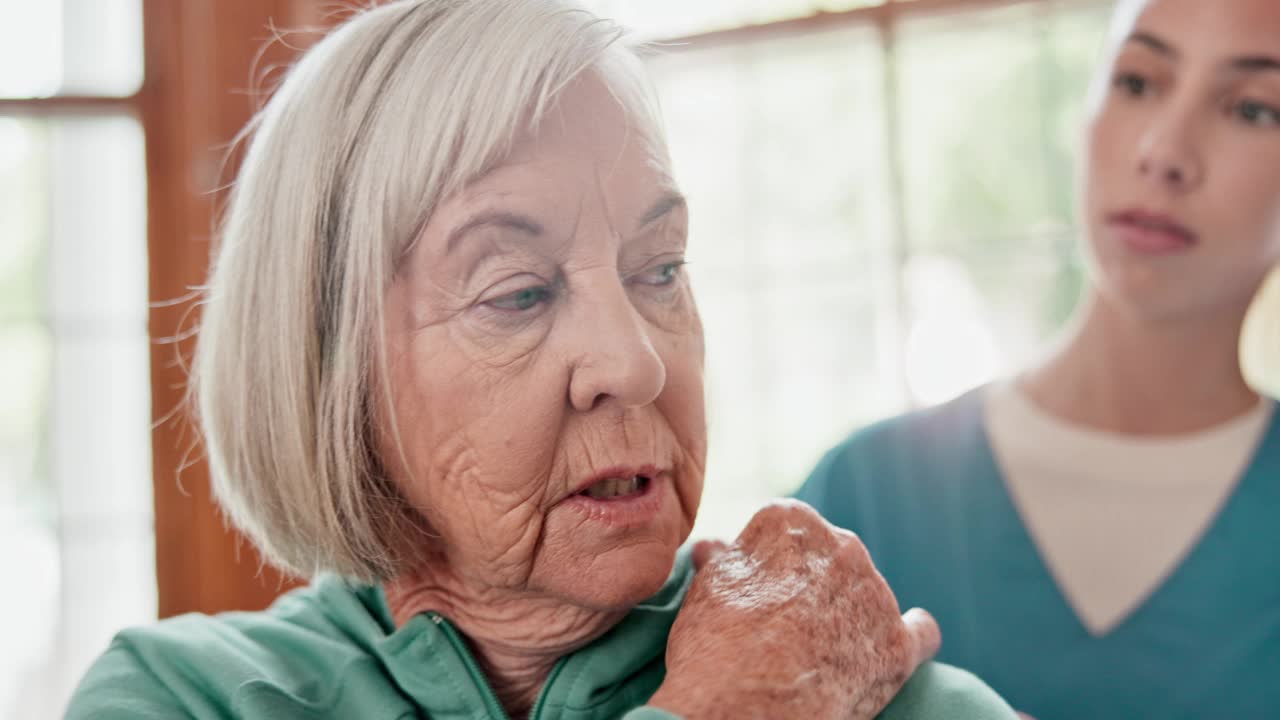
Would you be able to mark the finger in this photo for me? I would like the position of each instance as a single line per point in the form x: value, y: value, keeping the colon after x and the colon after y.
x: 926, y: 636
x: 1025, y: 716
x: 705, y: 550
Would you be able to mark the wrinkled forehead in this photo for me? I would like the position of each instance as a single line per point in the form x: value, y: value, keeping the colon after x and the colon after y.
x: 592, y: 150
x: 594, y: 116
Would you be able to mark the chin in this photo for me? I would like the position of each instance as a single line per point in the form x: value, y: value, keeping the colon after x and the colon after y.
x: 1162, y: 302
x: 1144, y: 292
x: 619, y: 579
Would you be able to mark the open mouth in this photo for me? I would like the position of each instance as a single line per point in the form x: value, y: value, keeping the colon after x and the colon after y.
x: 617, y: 488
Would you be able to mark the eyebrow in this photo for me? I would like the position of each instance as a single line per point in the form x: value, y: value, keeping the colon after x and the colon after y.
x: 528, y: 226
x: 664, y: 206
x: 1151, y: 42
x: 1245, y: 63
x: 1256, y: 63
x: 493, y: 218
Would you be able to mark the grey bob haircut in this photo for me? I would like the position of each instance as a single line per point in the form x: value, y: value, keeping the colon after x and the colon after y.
x: 395, y: 110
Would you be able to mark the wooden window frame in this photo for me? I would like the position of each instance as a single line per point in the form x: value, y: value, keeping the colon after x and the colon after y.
x: 199, y: 58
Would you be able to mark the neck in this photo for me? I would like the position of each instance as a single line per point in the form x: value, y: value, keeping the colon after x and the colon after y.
x: 1122, y: 372
x: 516, y: 635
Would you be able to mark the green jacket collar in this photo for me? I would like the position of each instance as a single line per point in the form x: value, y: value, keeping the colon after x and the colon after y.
x: 431, y: 664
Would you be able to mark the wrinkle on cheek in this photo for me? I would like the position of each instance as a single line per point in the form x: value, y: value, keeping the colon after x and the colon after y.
x: 501, y: 351
x: 681, y: 335
x: 595, y: 444
x: 636, y: 435
x: 676, y: 315
x: 509, y: 542
x: 684, y: 406
x: 593, y: 454
x: 605, y: 561
x: 428, y: 302
x: 493, y: 526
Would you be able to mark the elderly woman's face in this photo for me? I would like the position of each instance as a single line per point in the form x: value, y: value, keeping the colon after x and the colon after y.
x: 545, y: 355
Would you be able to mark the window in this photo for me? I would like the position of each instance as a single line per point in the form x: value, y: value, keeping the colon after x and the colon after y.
x: 75, y: 464
x: 881, y: 209
x: 881, y: 196
x: 666, y: 19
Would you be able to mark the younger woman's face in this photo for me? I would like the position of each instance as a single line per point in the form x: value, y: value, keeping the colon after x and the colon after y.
x: 1182, y: 187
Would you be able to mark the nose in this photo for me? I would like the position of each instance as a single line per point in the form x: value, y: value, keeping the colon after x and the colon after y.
x: 1167, y: 154
x: 615, y: 358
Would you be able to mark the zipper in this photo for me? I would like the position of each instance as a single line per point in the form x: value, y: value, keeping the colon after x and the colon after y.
x: 536, y: 713
x: 492, y: 706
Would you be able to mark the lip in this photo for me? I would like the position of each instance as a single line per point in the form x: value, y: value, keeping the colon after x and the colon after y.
x: 1151, y: 233
x: 619, y: 471
x: 624, y: 512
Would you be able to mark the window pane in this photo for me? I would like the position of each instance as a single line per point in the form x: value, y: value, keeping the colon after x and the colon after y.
x: 984, y: 97
x: 779, y: 147
x: 75, y: 475
x: 676, y: 18
x: 70, y: 47
x: 990, y: 112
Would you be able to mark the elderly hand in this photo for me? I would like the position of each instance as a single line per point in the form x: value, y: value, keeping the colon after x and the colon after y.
x: 791, y: 620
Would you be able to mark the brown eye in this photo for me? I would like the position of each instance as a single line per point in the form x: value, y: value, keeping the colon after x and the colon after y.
x: 1132, y: 84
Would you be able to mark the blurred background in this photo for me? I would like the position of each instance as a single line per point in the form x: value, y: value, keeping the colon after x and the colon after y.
x: 881, y: 197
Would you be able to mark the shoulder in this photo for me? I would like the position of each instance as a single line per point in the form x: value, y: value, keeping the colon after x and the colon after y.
x: 888, y: 456
x: 196, y: 665
x: 915, y: 433
x: 119, y: 686
x: 942, y: 691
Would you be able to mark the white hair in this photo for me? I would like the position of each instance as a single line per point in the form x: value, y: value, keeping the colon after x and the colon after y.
x: 397, y: 109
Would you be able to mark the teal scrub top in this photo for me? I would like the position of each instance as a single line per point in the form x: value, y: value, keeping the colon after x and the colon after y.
x: 926, y: 496
x: 331, y: 650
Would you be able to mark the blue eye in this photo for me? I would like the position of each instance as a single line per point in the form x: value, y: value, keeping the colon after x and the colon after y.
x: 661, y: 275
x: 522, y: 300
x: 1256, y: 114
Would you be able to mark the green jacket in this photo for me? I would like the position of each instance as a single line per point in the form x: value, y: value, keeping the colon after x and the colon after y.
x: 331, y: 650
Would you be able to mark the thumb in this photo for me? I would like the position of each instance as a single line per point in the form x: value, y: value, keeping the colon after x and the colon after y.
x: 705, y: 550
x: 926, y: 637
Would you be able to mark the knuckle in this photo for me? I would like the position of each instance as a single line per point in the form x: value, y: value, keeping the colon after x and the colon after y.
x: 795, y: 511
x: 774, y: 512
x: 852, y: 552
x: 795, y: 519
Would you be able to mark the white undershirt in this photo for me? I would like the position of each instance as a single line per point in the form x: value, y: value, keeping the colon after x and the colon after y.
x: 1113, y: 515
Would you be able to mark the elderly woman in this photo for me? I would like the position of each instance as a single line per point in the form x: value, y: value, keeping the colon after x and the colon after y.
x: 451, y: 368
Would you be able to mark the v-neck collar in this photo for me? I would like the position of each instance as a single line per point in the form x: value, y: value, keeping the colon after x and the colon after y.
x: 1263, y: 464
x: 1112, y: 515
